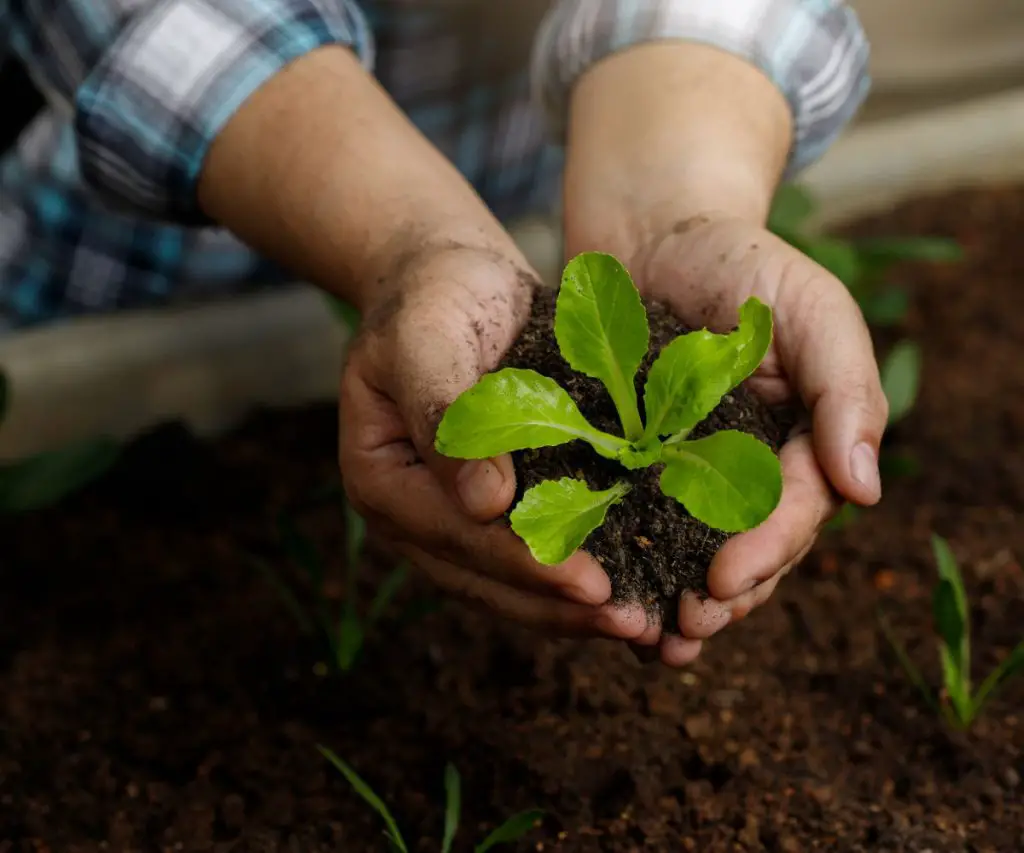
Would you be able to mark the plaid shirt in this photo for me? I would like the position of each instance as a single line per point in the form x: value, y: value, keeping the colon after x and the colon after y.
x: 98, y: 208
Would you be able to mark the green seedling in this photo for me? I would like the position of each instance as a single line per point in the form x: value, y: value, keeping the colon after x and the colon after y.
x: 958, y: 703
x: 863, y: 265
x: 345, y: 631
x: 511, y: 830
x: 45, y: 479
x: 728, y: 480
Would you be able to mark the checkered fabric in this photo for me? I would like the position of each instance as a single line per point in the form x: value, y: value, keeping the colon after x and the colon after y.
x: 98, y: 208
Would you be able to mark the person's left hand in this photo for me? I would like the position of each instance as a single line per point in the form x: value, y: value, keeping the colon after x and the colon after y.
x: 821, y: 356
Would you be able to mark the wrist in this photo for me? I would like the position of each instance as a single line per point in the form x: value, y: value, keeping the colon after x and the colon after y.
x: 710, y: 140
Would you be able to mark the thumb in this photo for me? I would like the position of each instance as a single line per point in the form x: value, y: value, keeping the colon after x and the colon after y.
x: 826, y: 349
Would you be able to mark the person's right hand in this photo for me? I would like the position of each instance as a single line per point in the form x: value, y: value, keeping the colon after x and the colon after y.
x: 447, y: 318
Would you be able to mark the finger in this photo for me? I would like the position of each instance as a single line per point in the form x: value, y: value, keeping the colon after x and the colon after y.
x: 390, y: 483
x: 679, y: 651
x: 827, y: 351
x: 371, y: 421
x: 542, y: 613
x: 807, y: 503
x: 701, y: 619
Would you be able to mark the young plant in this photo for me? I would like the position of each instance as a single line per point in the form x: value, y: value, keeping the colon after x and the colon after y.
x: 45, y: 479
x: 511, y: 830
x: 344, y: 631
x: 729, y: 480
x: 959, y: 704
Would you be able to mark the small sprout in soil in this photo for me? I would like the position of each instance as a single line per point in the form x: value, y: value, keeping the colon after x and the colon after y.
x: 958, y: 703
x: 345, y: 632
x: 728, y: 480
x: 863, y: 265
x: 47, y: 478
x: 511, y: 830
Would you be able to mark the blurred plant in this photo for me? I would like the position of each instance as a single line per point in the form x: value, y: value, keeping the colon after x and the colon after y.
x: 958, y: 703
x: 45, y: 479
x: 863, y: 265
x: 511, y: 830
x: 345, y: 631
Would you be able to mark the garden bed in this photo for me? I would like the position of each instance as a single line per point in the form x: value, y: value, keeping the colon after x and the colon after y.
x: 155, y: 695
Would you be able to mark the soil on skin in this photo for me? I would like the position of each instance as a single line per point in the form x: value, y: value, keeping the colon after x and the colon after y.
x: 156, y: 696
x: 650, y: 546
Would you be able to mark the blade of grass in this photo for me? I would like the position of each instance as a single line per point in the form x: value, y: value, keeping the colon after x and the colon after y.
x: 386, y: 592
x: 284, y: 592
x: 368, y: 795
x: 348, y: 643
x: 511, y: 830
x: 300, y: 550
x: 913, y: 673
x: 1010, y: 666
x: 453, y: 806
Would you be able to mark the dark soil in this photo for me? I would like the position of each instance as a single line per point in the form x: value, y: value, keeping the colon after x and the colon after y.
x: 156, y: 696
x: 650, y: 546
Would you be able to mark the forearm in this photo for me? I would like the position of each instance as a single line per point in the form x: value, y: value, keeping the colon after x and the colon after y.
x: 666, y: 132
x: 321, y: 171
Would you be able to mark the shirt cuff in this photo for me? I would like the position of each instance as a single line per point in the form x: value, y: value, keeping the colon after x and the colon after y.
x: 149, y: 110
x: 814, y: 51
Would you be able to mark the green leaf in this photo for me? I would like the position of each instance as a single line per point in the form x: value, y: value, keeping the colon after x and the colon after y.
x: 349, y: 642
x: 913, y: 673
x: 366, y: 792
x: 952, y: 619
x: 1011, y: 665
x: 346, y: 313
x: 511, y: 830
x: 355, y: 536
x: 847, y: 515
x: 453, y: 806
x: 792, y: 205
x: 901, y: 379
x: 300, y: 550
x: 729, y: 480
x: 887, y: 307
x: 555, y: 517
x: 512, y: 410
x: 386, y: 592
x: 837, y: 256
x: 47, y: 478
x: 693, y: 373
x: 601, y: 329
x: 889, y: 250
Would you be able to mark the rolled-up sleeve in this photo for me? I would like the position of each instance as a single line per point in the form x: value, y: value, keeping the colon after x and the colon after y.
x: 152, y: 82
x: 814, y: 51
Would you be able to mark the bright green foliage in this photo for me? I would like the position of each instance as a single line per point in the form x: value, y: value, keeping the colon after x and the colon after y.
x: 959, y: 703
x: 601, y: 329
x: 47, y: 478
x: 863, y: 265
x: 556, y: 517
x: 344, y: 631
x: 511, y: 830
x: 731, y: 483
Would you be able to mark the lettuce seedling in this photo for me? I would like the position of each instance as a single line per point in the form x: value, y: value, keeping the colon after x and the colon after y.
x: 960, y: 704
x: 511, y: 830
x: 728, y: 480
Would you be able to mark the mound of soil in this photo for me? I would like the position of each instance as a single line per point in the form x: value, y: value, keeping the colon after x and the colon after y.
x: 650, y: 546
x: 155, y: 695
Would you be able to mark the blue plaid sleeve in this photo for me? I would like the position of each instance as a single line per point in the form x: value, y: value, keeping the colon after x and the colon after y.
x: 152, y: 82
x: 815, y: 52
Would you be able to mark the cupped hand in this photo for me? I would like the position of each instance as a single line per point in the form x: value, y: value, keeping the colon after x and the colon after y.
x: 444, y: 318
x: 822, y: 357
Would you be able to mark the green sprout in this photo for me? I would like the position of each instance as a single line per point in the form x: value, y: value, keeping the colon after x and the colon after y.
x: 959, y: 704
x: 511, y: 830
x: 345, y: 632
x: 863, y: 266
x: 728, y: 480
x: 45, y: 479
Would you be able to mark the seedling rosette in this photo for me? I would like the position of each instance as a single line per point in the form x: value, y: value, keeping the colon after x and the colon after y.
x: 729, y: 480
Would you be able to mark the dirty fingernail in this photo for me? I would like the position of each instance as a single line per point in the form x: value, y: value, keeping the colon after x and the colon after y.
x: 864, y: 467
x: 478, y: 485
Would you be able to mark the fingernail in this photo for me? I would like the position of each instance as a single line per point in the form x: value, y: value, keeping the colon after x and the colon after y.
x: 478, y: 484
x: 864, y: 467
